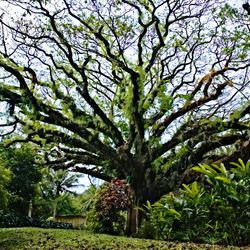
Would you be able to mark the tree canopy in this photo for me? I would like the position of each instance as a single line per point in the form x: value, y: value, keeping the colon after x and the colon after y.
x: 138, y: 90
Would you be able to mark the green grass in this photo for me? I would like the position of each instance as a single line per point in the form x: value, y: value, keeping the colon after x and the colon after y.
x: 48, y: 239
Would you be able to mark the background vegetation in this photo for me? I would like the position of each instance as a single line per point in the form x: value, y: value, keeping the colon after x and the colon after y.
x: 214, y: 211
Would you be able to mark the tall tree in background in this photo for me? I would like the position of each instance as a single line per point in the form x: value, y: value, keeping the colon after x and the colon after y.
x: 5, y: 177
x: 25, y: 176
x: 138, y: 90
x: 55, y: 189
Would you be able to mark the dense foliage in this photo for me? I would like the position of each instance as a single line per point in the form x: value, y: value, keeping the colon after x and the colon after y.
x: 54, y: 194
x: 111, y: 199
x: 25, y: 176
x: 115, y: 197
x: 216, y: 212
x: 5, y: 177
x: 28, y: 189
x: 12, y: 220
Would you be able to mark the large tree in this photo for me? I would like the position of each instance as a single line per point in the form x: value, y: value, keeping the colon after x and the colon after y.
x: 5, y: 177
x: 25, y: 176
x: 138, y: 90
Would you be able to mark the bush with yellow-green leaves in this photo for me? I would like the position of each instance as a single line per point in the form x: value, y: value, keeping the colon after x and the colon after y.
x: 214, y: 211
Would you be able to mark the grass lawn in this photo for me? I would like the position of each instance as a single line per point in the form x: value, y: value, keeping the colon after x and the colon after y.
x: 48, y: 239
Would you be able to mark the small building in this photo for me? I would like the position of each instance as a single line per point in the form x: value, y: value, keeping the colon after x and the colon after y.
x: 77, y: 221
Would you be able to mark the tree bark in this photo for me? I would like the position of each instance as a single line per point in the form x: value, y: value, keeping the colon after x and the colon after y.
x: 132, y: 220
x: 134, y: 214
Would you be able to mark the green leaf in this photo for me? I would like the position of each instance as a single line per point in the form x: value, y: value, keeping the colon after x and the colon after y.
x: 224, y: 179
x: 221, y: 168
x: 148, y: 205
x: 174, y: 212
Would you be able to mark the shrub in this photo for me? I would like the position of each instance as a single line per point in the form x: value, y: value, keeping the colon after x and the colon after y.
x: 216, y: 212
x: 11, y: 220
x: 106, y: 214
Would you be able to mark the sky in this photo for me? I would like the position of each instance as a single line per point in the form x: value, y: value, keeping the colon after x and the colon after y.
x: 85, y: 182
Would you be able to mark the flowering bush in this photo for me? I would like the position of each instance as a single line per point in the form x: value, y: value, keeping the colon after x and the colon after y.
x: 106, y: 215
x: 115, y: 197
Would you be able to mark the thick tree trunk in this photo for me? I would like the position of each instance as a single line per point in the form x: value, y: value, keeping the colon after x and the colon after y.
x: 142, y: 188
x: 134, y: 214
x: 132, y: 221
